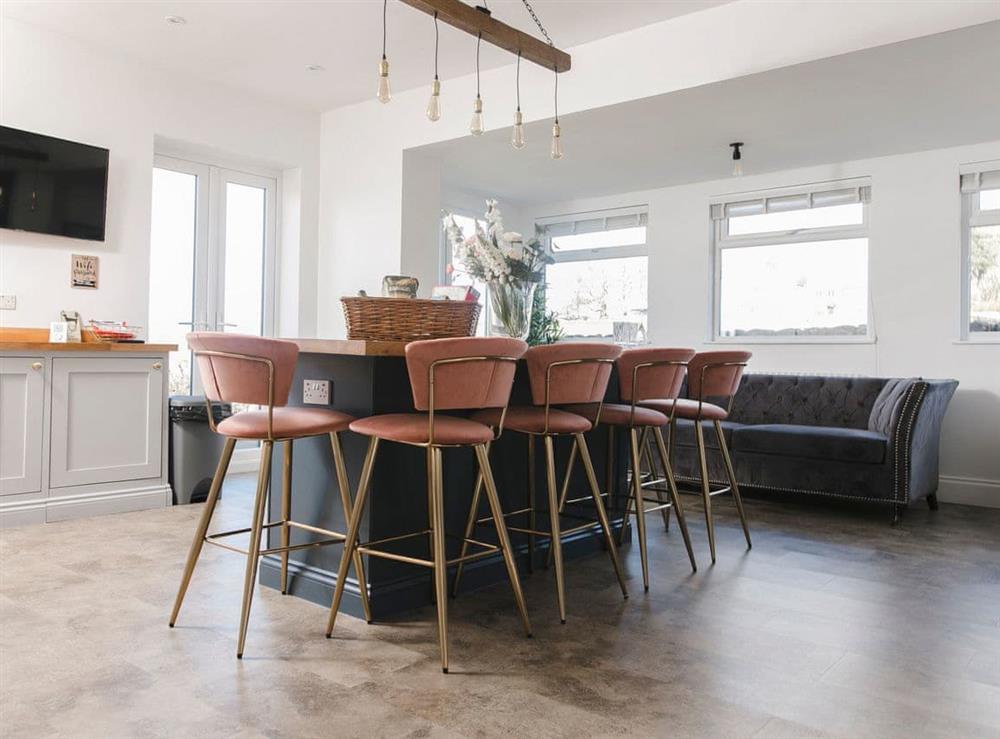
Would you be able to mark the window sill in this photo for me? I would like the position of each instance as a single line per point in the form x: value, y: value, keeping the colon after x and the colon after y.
x: 976, y: 340
x: 794, y: 341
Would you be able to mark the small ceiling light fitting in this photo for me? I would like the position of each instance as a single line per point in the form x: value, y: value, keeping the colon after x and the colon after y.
x: 315, y: 68
x: 737, y: 158
x: 177, y: 20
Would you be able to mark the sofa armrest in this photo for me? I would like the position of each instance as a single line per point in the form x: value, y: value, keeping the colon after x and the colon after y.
x: 915, y: 438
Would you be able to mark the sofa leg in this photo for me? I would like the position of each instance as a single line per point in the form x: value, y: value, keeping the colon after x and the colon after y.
x: 895, y: 514
x: 932, y: 501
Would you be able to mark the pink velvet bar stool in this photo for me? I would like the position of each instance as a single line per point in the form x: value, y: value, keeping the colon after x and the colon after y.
x: 712, y: 376
x: 566, y: 374
x: 642, y: 374
x: 445, y: 375
x: 257, y: 371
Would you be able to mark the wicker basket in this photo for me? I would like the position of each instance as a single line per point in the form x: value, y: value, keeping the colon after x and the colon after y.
x: 408, y: 319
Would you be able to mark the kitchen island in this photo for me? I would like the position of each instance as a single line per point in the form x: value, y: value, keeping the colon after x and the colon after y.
x: 369, y: 378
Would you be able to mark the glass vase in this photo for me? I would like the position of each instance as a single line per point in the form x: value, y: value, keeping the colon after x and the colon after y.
x: 511, y: 304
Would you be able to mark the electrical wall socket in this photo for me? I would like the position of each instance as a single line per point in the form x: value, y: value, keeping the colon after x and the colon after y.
x: 316, y: 392
x: 8, y: 302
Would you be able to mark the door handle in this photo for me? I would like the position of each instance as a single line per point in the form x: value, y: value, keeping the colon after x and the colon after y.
x: 36, y: 366
x: 193, y: 324
x: 157, y: 365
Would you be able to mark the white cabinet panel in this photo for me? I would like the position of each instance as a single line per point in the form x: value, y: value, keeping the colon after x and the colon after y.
x: 107, y: 420
x: 22, y: 387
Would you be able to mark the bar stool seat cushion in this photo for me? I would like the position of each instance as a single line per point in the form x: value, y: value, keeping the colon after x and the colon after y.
x: 412, y: 428
x: 687, y: 408
x: 619, y: 414
x: 529, y: 419
x: 288, y: 423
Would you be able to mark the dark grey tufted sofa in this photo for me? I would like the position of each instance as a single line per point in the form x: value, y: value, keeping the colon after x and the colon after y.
x: 865, y: 438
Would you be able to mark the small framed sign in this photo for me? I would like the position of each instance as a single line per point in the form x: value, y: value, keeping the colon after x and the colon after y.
x: 84, y: 273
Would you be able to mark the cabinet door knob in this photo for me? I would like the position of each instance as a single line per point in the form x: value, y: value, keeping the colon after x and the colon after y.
x: 36, y: 365
x: 157, y: 365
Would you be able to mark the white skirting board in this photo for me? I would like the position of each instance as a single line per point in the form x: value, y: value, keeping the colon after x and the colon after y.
x: 82, y: 505
x: 969, y: 491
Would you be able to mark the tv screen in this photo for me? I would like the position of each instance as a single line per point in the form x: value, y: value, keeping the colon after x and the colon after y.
x: 52, y: 186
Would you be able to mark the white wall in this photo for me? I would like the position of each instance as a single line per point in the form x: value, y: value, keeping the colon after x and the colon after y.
x: 362, y: 184
x: 55, y: 85
x: 915, y: 283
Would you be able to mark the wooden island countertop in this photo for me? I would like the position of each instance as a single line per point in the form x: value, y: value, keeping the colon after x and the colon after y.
x: 352, y: 347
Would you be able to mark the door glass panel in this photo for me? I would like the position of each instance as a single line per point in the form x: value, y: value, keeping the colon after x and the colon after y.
x: 244, y: 255
x: 171, y: 268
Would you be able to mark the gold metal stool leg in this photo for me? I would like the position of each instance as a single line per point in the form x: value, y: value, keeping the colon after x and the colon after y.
x: 286, y: 511
x: 256, y: 529
x: 602, y: 514
x: 640, y: 514
x: 555, y: 540
x: 675, y: 497
x: 732, y: 482
x: 532, y: 523
x: 351, y: 540
x: 646, y: 444
x: 564, y: 491
x: 470, y: 524
x: 436, y: 482
x: 486, y: 472
x: 705, y: 490
x: 345, y: 501
x: 206, y: 518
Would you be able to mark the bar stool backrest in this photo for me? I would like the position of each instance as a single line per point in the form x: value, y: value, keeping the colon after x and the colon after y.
x: 467, y: 373
x: 237, y: 368
x: 574, y: 372
x: 657, y: 373
x: 716, y: 374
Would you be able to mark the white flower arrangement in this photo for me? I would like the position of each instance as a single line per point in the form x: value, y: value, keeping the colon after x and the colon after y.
x: 496, y: 256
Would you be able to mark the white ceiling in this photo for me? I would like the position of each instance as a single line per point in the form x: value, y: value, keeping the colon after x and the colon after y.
x: 264, y: 46
x: 927, y: 93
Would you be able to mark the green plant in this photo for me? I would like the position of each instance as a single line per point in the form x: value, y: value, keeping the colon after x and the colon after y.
x: 545, y: 326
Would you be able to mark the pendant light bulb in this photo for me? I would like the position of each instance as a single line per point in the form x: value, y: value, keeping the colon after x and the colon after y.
x: 476, y: 127
x: 737, y: 159
x: 556, y: 151
x: 434, y: 104
x: 384, y: 94
x: 517, y: 136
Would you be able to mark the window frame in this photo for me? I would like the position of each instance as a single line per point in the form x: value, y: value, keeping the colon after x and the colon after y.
x: 973, y: 216
x: 722, y: 240
x: 641, y: 212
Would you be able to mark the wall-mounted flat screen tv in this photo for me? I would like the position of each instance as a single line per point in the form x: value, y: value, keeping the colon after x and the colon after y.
x: 52, y: 186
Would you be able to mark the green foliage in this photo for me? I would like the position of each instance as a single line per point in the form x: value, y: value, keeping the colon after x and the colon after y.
x: 545, y: 327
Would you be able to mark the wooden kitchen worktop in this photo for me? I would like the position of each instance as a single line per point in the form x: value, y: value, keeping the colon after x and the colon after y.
x: 36, y: 340
x: 352, y: 347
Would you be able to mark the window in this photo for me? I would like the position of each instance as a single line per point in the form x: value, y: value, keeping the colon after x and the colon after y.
x: 597, y: 286
x: 981, y: 254
x: 793, y: 266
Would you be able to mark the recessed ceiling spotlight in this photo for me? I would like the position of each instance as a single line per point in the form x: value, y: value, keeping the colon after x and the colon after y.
x: 315, y: 68
x: 176, y: 20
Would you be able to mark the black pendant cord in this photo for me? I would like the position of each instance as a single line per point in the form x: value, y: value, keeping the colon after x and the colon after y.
x: 517, y: 80
x: 436, y: 41
x: 385, y: 8
x: 479, y: 41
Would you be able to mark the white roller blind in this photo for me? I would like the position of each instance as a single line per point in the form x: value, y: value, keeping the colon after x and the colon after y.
x: 976, y: 181
x: 583, y: 223
x: 823, y: 197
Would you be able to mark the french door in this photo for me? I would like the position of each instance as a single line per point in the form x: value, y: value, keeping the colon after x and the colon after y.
x: 212, y: 257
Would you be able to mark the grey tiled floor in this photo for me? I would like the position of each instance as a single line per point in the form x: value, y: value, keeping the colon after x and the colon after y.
x: 834, y: 625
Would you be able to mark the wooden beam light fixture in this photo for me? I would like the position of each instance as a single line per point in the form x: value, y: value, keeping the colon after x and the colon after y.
x: 478, y: 22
